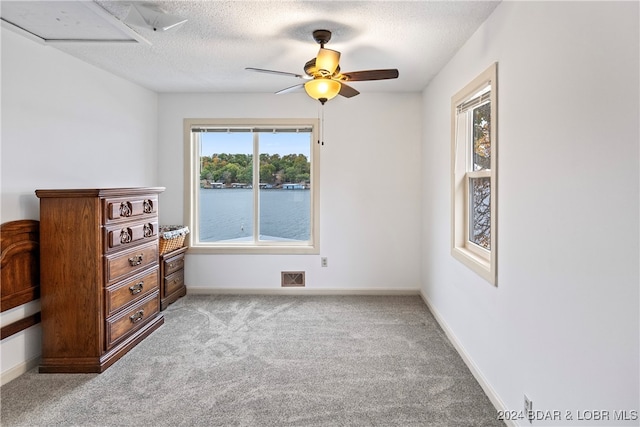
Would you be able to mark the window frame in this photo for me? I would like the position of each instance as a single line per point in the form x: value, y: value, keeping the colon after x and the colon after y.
x: 192, y: 187
x: 479, y: 259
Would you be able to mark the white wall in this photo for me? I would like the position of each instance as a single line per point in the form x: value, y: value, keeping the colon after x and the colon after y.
x: 369, y: 191
x: 65, y: 124
x: 562, y: 326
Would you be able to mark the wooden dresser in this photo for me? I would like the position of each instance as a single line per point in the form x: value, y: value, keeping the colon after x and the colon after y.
x: 172, y: 284
x: 99, y: 275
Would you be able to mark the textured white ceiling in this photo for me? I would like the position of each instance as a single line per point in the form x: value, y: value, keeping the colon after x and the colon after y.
x: 209, y: 53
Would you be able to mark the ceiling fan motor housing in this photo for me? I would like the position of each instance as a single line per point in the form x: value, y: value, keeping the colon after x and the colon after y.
x: 311, y: 70
x: 322, y: 36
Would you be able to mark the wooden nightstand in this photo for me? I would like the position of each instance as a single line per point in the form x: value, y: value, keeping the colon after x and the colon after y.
x: 172, y: 284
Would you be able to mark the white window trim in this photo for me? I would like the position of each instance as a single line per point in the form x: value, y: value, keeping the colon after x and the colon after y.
x: 478, y: 259
x: 192, y: 186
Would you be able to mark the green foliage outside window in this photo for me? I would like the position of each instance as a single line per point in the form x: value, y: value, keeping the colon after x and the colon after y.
x: 238, y: 168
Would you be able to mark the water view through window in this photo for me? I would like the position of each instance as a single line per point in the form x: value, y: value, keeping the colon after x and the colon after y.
x: 254, y: 185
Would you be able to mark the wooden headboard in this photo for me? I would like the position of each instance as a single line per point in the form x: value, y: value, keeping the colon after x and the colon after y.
x: 20, y: 270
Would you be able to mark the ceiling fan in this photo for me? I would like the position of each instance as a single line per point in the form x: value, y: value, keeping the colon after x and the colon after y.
x: 325, y: 80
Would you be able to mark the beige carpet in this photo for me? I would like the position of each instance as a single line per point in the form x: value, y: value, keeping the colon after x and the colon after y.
x: 269, y: 361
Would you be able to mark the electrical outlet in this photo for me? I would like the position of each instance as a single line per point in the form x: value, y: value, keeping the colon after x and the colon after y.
x: 324, y: 262
x: 528, y: 409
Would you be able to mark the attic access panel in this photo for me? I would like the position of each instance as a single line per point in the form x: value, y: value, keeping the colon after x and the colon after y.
x: 66, y: 21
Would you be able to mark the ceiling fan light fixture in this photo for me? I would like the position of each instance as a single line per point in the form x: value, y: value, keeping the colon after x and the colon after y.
x: 322, y: 89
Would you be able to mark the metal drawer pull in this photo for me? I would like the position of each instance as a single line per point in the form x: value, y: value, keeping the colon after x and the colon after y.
x: 125, y: 235
x: 136, y: 260
x: 137, y: 316
x: 147, y: 206
x: 137, y: 288
x: 125, y: 209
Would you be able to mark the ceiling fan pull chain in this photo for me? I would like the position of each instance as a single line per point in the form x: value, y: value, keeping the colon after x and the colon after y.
x: 321, y: 120
x: 320, y: 126
x: 321, y: 111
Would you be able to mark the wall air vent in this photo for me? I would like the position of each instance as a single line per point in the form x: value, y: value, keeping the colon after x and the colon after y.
x: 292, y: 279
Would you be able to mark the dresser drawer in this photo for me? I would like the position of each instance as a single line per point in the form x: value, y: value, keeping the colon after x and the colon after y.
x: 130, y: 262
x: 117, y: 327
x: 121, y: 236
x: 134, y: 207
x: 173, y: 282
x: 173, y: 264
x: 130, y: 290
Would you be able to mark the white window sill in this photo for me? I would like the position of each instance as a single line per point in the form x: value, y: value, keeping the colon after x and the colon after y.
x: 255, y: 250
x: 480, y: 265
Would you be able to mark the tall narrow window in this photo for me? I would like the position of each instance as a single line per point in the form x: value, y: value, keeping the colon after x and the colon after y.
x: 253, y: 186
x: 474, y: 174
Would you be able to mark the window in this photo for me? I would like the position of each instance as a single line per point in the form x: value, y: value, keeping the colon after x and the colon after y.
x: 474, y: 187
x: 252, y: 185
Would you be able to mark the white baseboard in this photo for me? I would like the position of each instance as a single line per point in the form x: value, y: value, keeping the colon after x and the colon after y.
x: 18, y: 370
x: 475, y: 371
x: 194, y: 290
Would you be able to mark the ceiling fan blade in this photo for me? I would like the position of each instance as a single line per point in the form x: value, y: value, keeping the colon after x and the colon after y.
x: 327, y: 60
x: 347, y: 91
x: 281, y: 73
x: 296, y: 88
x: 358, y: 76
